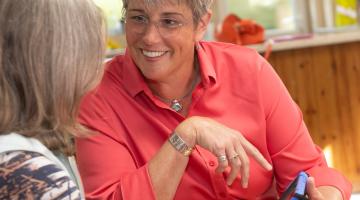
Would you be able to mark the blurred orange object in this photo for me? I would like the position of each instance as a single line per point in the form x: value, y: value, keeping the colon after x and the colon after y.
x: 240, y: 31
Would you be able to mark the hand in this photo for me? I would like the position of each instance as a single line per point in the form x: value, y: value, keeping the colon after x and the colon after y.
x: 223, y: 141
x: 312, y: 191
x: 322, y: 192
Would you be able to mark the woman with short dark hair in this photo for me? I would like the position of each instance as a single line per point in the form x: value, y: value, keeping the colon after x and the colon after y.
x: 180, y: 118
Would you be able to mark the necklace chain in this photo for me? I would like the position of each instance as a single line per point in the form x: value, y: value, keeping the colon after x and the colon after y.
x: 176, y: 104
x: 166, y: 100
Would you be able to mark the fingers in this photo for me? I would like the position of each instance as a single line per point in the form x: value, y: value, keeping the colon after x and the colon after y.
x: 245, y: 169
x: 233, y: 153
x: 235, y: 163
x: 241, y: 163
x: 255, y: 153
x: 230, y: 158
x: 225, y: 142
x: 312, y: 191
x: 222, y: 161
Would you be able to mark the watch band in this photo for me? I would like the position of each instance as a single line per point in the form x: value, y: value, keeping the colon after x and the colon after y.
x: 179, y: 144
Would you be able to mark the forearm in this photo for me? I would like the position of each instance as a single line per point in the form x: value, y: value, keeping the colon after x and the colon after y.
x: 166, y: 170
x: 167, y: 167
x: 330, y: 193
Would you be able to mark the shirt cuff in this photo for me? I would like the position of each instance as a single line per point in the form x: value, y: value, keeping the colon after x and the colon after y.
x: 325, y: 176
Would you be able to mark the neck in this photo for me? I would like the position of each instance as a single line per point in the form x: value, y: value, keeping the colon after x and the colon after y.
x: 177, y: 86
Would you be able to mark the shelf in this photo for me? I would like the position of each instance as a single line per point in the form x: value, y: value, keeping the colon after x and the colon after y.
x: 310, y: 41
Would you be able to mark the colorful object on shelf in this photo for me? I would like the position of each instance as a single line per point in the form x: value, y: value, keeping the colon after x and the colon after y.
x: 240, y: 31
x: 346, y: 12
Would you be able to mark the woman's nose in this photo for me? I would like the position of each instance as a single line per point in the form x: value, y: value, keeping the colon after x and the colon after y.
x: 151, y: 34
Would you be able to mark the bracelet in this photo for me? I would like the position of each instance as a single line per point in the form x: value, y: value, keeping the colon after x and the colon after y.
x: 179, y: 144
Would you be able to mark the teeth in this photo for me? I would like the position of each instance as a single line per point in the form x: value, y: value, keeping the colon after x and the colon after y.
x: 153, y: 54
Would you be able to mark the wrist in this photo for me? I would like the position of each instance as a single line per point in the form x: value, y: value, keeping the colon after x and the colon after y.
x: 186, y: 130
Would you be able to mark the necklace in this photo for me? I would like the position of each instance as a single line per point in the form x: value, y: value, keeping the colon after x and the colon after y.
x: 176, y: 104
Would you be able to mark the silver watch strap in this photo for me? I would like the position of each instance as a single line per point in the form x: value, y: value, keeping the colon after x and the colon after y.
x: 179, y: 144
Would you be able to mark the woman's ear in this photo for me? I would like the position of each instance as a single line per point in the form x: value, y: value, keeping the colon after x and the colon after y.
x: 202, y: 26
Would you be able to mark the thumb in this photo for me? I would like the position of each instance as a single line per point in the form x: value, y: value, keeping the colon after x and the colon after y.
x: 312, y: 191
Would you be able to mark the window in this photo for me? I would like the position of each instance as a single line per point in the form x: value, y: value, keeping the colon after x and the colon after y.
x: 276, y: 16
x: 294, y: 16
x: 271, y: 14
x: 279, y: 17
x: 334, y: 15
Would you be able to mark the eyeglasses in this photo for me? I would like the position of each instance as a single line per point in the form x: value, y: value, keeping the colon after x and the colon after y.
x: 166, y: 27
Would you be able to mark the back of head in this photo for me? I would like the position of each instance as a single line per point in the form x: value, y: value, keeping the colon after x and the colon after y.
x: 50, y: 55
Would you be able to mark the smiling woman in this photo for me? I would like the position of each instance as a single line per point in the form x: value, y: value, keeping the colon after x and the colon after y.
x: 182, y: 118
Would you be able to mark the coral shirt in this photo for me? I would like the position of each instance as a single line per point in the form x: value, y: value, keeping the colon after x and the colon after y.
x: 238, y: 88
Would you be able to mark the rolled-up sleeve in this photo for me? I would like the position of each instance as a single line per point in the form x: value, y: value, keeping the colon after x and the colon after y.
x: 289, y: 142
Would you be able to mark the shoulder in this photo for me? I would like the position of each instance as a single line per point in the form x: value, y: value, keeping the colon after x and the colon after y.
x: 234, y: 61
x: 94, y: 104
x: 229, y: 50
x: 26, y: 174
x: 114, y: 63
x: 235, y: 57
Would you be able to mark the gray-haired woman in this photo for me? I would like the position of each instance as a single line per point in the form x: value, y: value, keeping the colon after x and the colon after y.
x: 51, y: 54
x: 151, y: 142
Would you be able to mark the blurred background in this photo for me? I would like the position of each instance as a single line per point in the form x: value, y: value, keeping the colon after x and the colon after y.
x: 278, y: 17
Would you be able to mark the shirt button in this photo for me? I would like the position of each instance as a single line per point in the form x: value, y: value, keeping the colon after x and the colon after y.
x: 212, y: 163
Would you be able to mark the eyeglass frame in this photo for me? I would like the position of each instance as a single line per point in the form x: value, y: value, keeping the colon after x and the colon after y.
x: 145, y: 22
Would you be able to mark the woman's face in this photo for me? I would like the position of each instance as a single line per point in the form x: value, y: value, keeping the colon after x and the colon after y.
x: 161, y: 39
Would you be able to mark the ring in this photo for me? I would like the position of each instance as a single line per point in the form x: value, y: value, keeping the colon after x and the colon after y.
x: 234, y: 156
x: 222, y: 158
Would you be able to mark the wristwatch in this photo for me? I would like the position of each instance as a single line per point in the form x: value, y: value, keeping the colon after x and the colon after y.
x: 179, y: 144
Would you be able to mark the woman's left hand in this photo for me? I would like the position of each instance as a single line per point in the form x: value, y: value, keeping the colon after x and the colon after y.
x: 312, y: 191
x: 322, y: 192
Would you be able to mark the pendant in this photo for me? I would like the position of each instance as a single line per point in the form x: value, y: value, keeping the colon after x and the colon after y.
x: 175, y: 105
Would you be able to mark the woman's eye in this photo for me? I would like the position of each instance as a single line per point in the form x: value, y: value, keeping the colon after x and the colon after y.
x: 139, y: 19
x: 170, y: 23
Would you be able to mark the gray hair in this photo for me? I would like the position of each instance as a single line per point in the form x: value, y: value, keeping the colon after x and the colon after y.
x: 51, y: 54
x: 198, y: 7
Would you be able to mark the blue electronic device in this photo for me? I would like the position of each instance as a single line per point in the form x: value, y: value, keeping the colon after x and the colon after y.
x: 296, y: 189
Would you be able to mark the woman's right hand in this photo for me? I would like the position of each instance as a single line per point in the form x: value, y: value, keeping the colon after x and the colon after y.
x: 222, y: 141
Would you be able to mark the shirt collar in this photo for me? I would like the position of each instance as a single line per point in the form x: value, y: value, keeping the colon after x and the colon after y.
x: 208, y: 74
x: 133, y: 80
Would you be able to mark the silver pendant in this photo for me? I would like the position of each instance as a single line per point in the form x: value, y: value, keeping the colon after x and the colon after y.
x: 175, y: 105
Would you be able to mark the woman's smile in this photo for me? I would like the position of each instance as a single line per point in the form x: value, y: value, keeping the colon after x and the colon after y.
x: 153, y: 54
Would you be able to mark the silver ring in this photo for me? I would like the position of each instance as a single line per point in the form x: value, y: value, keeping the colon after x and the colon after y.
x: 222, y: 158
